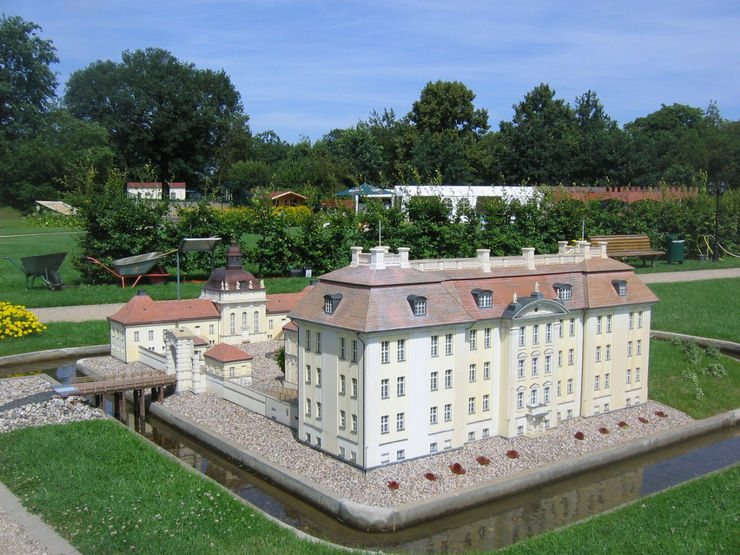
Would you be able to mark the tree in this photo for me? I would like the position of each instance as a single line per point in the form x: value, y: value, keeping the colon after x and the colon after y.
x: 160, y: 110
x: 446, y: 105
x: 27, y: 83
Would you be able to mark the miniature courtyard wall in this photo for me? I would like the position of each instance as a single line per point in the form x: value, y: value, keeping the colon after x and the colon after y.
x: 152, y: 359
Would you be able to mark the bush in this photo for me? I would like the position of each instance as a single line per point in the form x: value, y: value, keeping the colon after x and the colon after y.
x: 17, y: 321
x: 715, y: 369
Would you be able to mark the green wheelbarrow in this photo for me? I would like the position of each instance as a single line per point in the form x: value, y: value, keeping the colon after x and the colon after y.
x: 45, y: 266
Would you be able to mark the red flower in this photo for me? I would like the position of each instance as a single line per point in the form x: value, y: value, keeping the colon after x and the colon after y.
x: 430, y: 476
x: 660, y: 413
x: 643, y: 420
x: 457, y: 468
x: 603, y: 431
x: 623, y: 424
x: 483, y: 460
x: 578, y: 435
x: 393, y: 485
x: 512, y: 454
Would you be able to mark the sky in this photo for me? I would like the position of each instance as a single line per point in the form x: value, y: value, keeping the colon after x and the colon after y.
x: 305, y: 67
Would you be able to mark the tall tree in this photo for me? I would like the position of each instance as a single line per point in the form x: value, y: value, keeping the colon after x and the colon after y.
x: 446, y: 105
x: 159, y: 110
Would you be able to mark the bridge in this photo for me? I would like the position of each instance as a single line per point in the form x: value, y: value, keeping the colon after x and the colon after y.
x: 99, y: 386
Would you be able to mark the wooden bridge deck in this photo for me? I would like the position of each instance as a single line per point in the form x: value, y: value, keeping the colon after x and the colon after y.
x: 95, y: 385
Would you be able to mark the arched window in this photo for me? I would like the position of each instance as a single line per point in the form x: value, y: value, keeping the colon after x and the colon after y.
x: 256, y: 327
x: 232, y: 323
x: 244, y: 320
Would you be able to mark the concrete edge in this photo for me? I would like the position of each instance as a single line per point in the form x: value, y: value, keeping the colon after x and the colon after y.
x: 381, y: 519
x: 721, y: 344
x: 53, y: 354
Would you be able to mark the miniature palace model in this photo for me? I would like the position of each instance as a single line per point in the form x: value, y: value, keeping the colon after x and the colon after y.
x: 390, y: 358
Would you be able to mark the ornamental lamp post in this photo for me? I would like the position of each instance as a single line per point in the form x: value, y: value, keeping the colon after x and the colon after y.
x: 717, y: 189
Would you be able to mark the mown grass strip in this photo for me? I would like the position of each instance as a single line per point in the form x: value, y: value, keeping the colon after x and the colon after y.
x: 107, y: 491
x: 59, y: 335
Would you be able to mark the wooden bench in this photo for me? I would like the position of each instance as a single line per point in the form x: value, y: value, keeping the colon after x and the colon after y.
x: 620, y: 246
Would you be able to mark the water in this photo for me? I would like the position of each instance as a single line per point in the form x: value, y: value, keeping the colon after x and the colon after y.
x: 487, y: 527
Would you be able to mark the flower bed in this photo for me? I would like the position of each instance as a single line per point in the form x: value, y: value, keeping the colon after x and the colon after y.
x: 18, y: 321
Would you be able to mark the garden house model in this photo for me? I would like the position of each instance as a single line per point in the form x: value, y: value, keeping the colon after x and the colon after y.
x: 398, y: 359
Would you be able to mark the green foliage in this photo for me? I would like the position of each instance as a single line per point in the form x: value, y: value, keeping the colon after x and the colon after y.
x: 280, y: 359
x: 693, y: 352
x: 715, y: 369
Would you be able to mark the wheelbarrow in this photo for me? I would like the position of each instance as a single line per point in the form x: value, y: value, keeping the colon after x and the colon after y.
x: 44, y: 266
x: 138, y: 267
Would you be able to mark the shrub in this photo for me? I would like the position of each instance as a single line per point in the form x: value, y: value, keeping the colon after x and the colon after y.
x: 660, y: 413
x: 712, y: 352
x: 457, y: 468
x: 393, y: 485
x: 603, y: 430
x: 715, y: 369
x: 579, y: 436
x: 483, y: 460
x: 623, y: 424
x: 431, y: 476
x: 512, y: 454
x: 643, y: 420
x: 17, y: 321
x: 693, y: 352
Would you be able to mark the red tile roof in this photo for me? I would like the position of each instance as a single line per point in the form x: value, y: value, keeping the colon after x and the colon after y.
x: 141, y: 309
x: 285, y: 302
x: 227, y: 353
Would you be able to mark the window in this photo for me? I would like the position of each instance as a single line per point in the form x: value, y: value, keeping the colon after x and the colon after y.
x: 318, y: 377
x: 270, y: 324
x: 572, y: 327
x: 629, y: 376
x: 487, y: 338
x: 598, y: 354
x: 448, y: 344
x: 608, y: 323
x: 232, y: 371
x: 331, y: 302
x: 560, y: 329
x: 342, y: 384
x: 520, y: 430
x: 548, y: 333
x: 471, y: 373
x: 473, y: 340
x: 535, y: 366
x: 606, y: 407
x: 418, y: 305
x: 308, y: 374
x: 384, y: 424
x: 354, y: 424
x: 596, y: 383
x: 448, y: 412
x: 629, y: 348
x: 433, y: 415
x: 342, y: 419
x: 400, y: 454
x: 483, y: 298
x: 232, y: 324
x: 569, y: 414
x: 400, y: 386
x: 639, y: 320
x: 341, y: 452
x: 520, y: 368
x: 522, y: 336
x: 569, y: 386
x: 606, y: 381
x: 318, y: 341
x: 433, y: 447
x: 637, y: 374
x: 535, y: 334
x: 211, y: 329
x: 520, y: 399
x: 608, y: 352
x: 384, y: 352
x: 560, y: 359
x: 570, y: 357
x: 434, y: 346
x: 433, y: 379
x: 486, y: 402
x: 318, y: 410
x: 354, y: 387
x: 471, y: 436
x: 546, y: 394
x: 639, y: 346
x: 354, y: 350
x: 342, y: 348
x: 308, y: 340
x: 598, y: 324
x: 256, y: 324
x: 485, y: 433
x: 486, y: 370
x: 563, y: 290
x: 560, y: 388
x: 151, y: 335
x: 620, y: 286
x: 533, y: 397
x: 448, y: 379
x: 401, y: 350
x: 308, y: 407
x: 631, y: 321
x: 471, y: 405
x: 548, y: 364
x: 400, y: 421
x: 384, y: 389
x: 136, y: 336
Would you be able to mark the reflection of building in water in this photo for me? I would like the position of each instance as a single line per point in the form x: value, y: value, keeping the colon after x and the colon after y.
x: 511, y: 520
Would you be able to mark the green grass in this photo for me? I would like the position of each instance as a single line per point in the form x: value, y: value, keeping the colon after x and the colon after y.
x: 688, y: 265
x: 698, y: 517
x: 669, y: 366
x: 59, y: 335
x: 708, y: 308
x: 108, y: 491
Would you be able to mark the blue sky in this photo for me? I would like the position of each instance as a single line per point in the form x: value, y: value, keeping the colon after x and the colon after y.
x: 306, y: 67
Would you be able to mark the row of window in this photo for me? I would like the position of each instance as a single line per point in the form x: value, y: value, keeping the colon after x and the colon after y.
x: 255, y: 320
x: 536, y: 333
x: 342, y: 385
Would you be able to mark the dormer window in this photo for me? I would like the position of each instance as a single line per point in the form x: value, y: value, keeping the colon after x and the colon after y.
x: 418, y: 305
x: 483, y: 298
x: 331, y: 302
x: 564, y: 291
x: 620, y: 287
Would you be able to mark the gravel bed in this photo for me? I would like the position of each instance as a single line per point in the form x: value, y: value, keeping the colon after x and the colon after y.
x: 277, y: 444
x: 14, y: 539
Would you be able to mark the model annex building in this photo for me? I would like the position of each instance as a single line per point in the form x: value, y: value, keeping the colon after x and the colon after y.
x: 399, y: 359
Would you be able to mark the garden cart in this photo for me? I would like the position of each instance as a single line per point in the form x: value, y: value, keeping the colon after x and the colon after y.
x: 138, y: 267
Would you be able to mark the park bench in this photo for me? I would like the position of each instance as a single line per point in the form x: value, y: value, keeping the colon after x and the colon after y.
x: 620, y: 246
